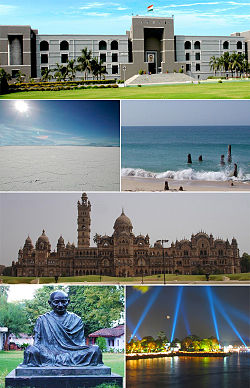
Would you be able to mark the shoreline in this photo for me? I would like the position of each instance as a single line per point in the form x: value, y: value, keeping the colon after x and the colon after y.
x: 175, y: 354
x: 129, y: 183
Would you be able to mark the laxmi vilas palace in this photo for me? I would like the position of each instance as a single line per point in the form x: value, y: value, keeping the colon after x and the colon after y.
x: 150, y: 45
x: 123, y: 253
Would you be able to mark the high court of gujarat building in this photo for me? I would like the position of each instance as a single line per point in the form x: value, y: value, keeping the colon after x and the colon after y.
x: 123, y: 253
x: 150, y: 45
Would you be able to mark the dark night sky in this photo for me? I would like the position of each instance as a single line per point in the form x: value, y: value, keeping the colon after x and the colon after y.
x: 195, y: 305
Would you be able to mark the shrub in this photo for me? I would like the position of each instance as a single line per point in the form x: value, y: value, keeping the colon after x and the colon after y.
x: 140, y: 72
x: 4, y: 77
x: 220, y: 81
x: 101, y: 342
x: 180, y: 70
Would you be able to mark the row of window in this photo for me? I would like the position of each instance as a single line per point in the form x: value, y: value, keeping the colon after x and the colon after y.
x: 65, y: 57
x: 197, y: 45
x: 197, y: 56
x: 197, y: 67
x: 64, y: 45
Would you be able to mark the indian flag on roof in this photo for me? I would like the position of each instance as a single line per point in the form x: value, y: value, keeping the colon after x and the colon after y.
x: 150, y: 8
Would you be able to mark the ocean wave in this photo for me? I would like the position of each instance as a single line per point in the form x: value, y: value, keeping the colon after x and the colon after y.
x: 187, y: 174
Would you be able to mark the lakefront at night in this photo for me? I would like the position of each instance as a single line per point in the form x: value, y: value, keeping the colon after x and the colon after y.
x: 187, y: 336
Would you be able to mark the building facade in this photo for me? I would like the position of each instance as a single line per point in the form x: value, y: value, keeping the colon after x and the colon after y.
x: 124, y: 254
x: 115, y: 340
x: 150, y: 45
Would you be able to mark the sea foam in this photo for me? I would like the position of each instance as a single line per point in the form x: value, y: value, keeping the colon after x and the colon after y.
x: 187, y: 174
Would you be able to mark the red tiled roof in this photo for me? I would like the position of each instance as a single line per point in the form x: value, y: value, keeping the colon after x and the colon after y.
x: 112, y: 332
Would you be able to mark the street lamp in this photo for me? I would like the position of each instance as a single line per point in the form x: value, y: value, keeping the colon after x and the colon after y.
x: 124, y: 68
x: 163, y: 256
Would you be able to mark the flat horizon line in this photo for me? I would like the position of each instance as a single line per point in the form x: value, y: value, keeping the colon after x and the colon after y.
x: 59, y: 145
x: 194, y: 125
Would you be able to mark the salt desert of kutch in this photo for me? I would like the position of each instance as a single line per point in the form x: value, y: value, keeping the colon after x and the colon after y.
x: 59, y: 168
x: 60, y: 145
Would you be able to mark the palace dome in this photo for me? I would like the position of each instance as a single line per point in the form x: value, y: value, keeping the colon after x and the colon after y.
x: 123, y: 221
x: 43, y: 238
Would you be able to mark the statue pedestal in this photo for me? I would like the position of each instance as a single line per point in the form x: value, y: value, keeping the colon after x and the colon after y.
x: 63, y: 377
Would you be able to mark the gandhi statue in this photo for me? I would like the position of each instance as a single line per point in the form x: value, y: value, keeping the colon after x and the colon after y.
x: 59, y: 338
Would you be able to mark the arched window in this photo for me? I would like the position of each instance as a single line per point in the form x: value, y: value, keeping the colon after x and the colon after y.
x: 225, y: 45
x: 197, y: 45
x: 239, y: 45
x: 102, y: 45
x: 44, y: 45
x: 114, y: 45
x: 187, y: 45
x: 64, y: 45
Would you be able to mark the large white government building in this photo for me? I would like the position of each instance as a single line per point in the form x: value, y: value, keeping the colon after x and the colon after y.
x: 150, y: 45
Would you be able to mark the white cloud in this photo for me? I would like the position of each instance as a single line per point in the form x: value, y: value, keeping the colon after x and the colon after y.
x: 97, y: 14
x: 92, y: 5
x: 6, y: 9
x: 187, y: 5
x: 121, y: 9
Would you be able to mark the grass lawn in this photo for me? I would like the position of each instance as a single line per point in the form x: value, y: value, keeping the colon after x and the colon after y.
x: 236, y: 89
x: 10, y: 360
x: 120, y: 280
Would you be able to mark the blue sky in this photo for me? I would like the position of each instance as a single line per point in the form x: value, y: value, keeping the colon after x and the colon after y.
x: 210, y: 17
x: 193, y: 112
x: 33, y: 122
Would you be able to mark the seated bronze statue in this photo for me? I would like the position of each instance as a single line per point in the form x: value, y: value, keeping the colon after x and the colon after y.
x: 59, y: 338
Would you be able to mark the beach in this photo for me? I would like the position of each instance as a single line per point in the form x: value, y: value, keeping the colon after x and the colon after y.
x: 68, y: 168
x: 198, y: 158
x: 156, y: 184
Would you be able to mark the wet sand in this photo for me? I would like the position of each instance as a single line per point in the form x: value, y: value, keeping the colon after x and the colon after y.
x: 153, y: 184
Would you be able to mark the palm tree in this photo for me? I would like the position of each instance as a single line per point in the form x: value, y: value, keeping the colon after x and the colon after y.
x: 225, y: 60
x: 102, y: 70
x: 71, y: 69
x: 245, y: 66
x: 46, y: 74
x: 234, y: 64
x: 95, y: 67
x: 61, y: 72
x: 213, y: 63
x: 84, y: 62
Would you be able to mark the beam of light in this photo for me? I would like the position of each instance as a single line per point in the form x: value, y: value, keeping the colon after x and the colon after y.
x: 222, y: 311
x: 131, y: 328
x: 239, y: 314
x: 176, y: 311
x: 152, y: 299
x: 21, y: 106
x: 211, y: 303
x: 132, y: 298
x: 185, y: 320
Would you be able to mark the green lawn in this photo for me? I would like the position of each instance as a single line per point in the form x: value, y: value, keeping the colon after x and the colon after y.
x: 10, y: 360
x: 120, y: 280
x: 239, y: 89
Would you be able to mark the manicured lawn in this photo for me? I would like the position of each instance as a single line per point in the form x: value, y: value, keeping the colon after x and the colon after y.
x: 10, y: 360
x: 120, y: 280
x: 226, y: 90
x: 115, y: 361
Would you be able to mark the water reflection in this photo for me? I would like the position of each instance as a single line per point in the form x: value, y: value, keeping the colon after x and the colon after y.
x: 189, y: 372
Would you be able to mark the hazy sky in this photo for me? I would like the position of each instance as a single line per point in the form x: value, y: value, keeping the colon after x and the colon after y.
x: 109, y: 17
x: 184, y: 112
x: 34, y: 122
x: 163, y: 216
x: 194, y: 313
